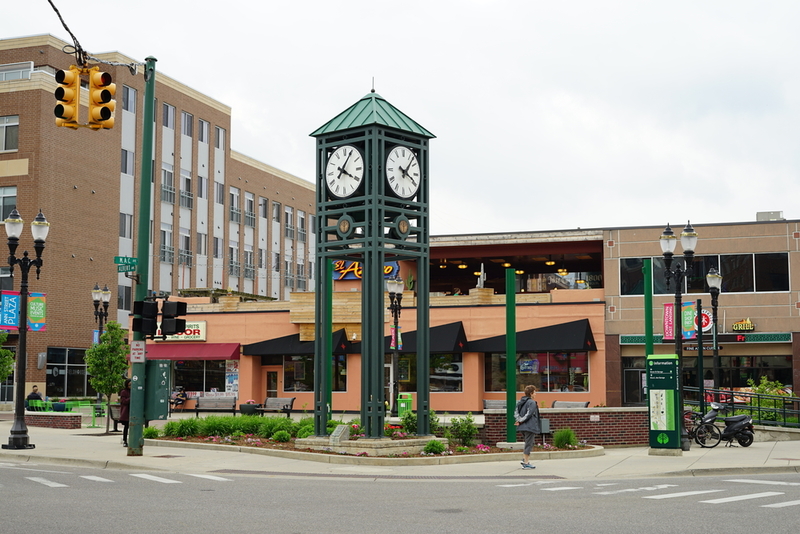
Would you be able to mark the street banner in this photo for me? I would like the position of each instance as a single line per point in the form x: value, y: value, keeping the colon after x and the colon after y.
x: 688, y: 326
x: 9, y: 310
x: 669, y: 321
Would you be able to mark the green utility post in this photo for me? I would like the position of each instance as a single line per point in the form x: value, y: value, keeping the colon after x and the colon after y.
x: 138, y: 372
x: 511, y: 354
x: 647, y: 271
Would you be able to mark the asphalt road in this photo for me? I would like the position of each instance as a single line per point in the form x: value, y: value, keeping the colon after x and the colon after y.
x: 47, y: 497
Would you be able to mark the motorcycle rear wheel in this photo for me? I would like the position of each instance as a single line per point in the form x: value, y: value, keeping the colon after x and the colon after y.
x: 707, y: 435
x: 745, y: 439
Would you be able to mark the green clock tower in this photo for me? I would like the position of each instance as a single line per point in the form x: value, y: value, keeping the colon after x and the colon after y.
x: 372, y: 207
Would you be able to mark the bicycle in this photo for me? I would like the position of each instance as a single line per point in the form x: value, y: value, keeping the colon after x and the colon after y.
x: 701, y: 428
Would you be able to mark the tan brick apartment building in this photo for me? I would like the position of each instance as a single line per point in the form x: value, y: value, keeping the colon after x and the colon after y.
x: 220, y: 220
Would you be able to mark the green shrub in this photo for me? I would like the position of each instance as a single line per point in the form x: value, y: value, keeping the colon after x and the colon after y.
x: 187, y: 428
x: 409, y: 422
x: 304, y: 432
x: 170, y: 429
x: 331, y: 426
x: 434, y: 447
x: 564, y: 437
x: 216, y: 425
x: 150, y: 432
x: 273, y: 424
x: 463, y: 429
x: 247, y: 424
x: 433, y: 422
x: 766, y: 387
x: 281, y: 436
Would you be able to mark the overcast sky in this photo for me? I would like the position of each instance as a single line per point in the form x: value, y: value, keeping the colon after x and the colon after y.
x: 547, y: 115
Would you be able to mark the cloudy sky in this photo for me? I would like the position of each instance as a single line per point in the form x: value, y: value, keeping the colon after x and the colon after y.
x: 547, y: 115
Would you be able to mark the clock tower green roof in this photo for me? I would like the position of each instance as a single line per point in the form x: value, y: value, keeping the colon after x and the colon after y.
x: 372, y: 109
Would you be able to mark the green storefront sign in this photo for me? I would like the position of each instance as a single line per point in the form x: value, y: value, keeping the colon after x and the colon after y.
x: 665, y: 411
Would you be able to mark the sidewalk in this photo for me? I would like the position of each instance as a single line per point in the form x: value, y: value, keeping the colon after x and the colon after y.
x: 91, y: 447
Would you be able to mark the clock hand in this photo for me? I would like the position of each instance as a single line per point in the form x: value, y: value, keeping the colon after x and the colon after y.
x: 405, y: 173
x: 342, y: 168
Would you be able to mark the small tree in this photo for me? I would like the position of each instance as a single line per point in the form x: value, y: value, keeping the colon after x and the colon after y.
x: 6, y: 359
x: 107, y: 362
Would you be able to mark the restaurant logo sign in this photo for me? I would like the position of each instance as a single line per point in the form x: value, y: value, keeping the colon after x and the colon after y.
x: 745, y: 325
x: 195, y: 331
x: 352, y: 270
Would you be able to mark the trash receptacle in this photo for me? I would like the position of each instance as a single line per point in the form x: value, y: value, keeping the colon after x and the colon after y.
x: 403, y: 403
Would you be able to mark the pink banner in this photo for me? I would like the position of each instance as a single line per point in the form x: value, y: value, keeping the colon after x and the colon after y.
x: 669, y: 321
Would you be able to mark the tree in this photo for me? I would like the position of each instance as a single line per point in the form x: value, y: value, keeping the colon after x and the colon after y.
x: 107, y: 362
x: 6, y: 359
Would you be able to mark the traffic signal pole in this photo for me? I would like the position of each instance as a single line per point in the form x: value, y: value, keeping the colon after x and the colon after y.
x: 135, y: 439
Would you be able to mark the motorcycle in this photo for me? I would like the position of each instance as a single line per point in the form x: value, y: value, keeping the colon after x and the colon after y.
x: 738, y: 427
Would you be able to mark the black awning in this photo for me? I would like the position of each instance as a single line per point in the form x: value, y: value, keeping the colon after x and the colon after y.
x: 292, y: 346
x: 575, y: 336
x: 445, y: 339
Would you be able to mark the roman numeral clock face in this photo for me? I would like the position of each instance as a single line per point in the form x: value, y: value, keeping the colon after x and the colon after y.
x: 344, y: 171
x: 402, y: 172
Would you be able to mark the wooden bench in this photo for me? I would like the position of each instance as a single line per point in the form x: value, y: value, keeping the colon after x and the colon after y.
x: 570, y: 404
x: 214, y: 404
x: 277, y: 404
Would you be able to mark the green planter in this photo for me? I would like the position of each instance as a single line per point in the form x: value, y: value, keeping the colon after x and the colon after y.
x: 249, y: 409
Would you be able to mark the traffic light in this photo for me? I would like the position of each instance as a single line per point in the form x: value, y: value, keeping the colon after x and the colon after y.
x: 101, y: 99
x: 147, y: 324
x: 68, y: 94
x: 170, y: 323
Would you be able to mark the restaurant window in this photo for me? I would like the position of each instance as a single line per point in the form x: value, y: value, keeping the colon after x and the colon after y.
x: 66, y: 374
x: 548, y: 371
x: 446, y: 372
x: 200, y: 376
x: 298, y: 373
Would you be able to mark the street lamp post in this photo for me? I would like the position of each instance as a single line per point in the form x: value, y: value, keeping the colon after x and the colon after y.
x: 101, y: 315
x: 395, y: 287
x: 714, y: 281
x: 39, y: 228
x: 668, y: 242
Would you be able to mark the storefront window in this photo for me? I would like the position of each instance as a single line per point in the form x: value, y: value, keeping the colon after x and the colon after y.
x: 66, y: 374
x: 548, y: 371
x: 446, y: 373
x: 298, y: 373
x: 196, y: 376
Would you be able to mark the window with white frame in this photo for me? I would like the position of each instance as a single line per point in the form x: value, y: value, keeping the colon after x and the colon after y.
x: 9, y: 133
x: 127, y: 160
x: 249, y: 209
x: 126, y: 225
x: 202, y: 131
x: 219, y: 193
x: 234, y: 267
x: 249, y: 265
x: 301, y: 226
x: 202, y: 187
x: 129, y: 99
x: 276, y: 262
x: 276, y: 211
x: 8, y: 200
x: 262, y: 258
x: 202, y: 244
x: 168, y: 116
x: 235, y: 210
x: 167, y: 250
x: 16, y: 71
x: 219, y: 137
x: 187, y: 197
x: 187, y: 124
x: 185, y: 247
x: 218, y: 248
x: 262, y: 207
x: 288, y: 225
x: 167, y: 183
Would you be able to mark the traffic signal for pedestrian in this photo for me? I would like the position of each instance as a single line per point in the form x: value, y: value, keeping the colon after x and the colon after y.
x: 171, y: 324
x: 147, y: 324
x: 68, y: 94
x: 101, y: 99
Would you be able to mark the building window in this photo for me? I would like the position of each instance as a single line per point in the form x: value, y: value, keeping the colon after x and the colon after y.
x: 249, y: 209
x: 16, y: 71
x: 288, y: 276
x: 262, y: 207
x: 298, y: 373
x: 202, y: 244
x: 129, y: 99
x: 187, y: 197
x: 218, y: 248
x: 235, y: 210
x: 249, y: 265
x: 276, y: 262
x: 202, y: 131
x: 301, y: 226
x: 166, y: 251
x: 126, y: 225
x: 202, y: 187
x: 124, y: 297
x: 262, y: 258
x: 301, y: 277
x: 185, y: 247
x: 219, y: 193
x: 288, y: 226
x: 127, y: 162
x: 9, y: 133
x: 219, y: 138
x: 187, y: 124
x: 66, y: 373
x: 6, y: 282
x: 8, y: 200
x: 276, y: 211
x: 234, y: 267
x: 167, y: 183
x: 548, y: 371
x: 169, y: 116
x: 200, y: 376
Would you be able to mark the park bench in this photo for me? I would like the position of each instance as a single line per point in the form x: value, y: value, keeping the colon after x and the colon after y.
x: 493, y: 404
x: 570, y: 404
x: 277, y: 404
x: 214, y: 404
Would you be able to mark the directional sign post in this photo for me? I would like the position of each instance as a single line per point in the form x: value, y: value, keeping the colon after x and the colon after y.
x: 663, y: 374
x: 125, y: 268
x: 126, y: 260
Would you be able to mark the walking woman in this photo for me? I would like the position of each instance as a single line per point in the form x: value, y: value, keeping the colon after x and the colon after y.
x: 124, y: 410
x: 526, y: 416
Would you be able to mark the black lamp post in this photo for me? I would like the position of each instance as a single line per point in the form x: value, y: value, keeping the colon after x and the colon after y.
x: 39, y: 228
x: 668, y: 243
x: 714, y: 281
x: 395, y: 287
x: 101, y: 316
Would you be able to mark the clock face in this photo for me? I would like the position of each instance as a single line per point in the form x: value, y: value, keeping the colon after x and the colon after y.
x: 344, y: 171
x: 403, y: 173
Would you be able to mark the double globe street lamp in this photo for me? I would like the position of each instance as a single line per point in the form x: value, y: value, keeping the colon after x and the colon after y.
x: 394, y: 286
x: 714, y: 281
x: 39, y: 228
x: 101, y: 315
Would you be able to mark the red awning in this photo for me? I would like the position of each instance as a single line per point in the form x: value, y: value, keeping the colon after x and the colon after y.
x: 192, y: 351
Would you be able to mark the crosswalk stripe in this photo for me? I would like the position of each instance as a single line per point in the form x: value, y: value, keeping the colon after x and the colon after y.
x: 743, y: 497
x: 157, y: 479
x: 681, y: 494
x: 781, y: 504
x: 96, y: 479
x: 562, y: 488
x: 767, y: 482
x: 46, y: 482
x: 210, y: 477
